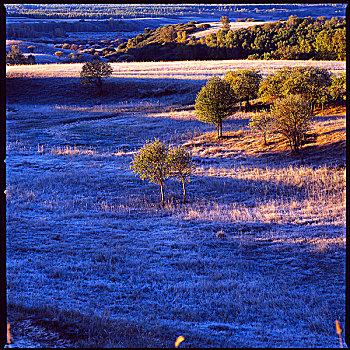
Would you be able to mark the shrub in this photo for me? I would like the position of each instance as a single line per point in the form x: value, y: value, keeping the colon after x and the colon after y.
x: 203, y: 26
x: 93, y: 72
x: 262, y: 123
x: 291, y: 118
x: 215, y: 102
x: 59, y: 54
x: 152, y: 163
x: 74, y: 47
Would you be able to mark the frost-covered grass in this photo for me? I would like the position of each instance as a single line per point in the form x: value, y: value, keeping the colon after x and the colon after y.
x: 255, y: 259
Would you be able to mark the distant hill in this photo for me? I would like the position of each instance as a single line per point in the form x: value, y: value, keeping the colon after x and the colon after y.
x: 294, y: 39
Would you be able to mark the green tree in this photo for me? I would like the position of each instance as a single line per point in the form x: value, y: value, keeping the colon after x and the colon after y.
x: 310, y: 82
x: 15, y: 56
x: 182, y: 166
x: 338, y: 87
x: 339, y: 44
x: 215, y: 102
x: 245, y: 84
x: 93, y: 72
x: 291, y: 118
x: 225, y: 22
x: 31, y: 59
x: 152, y: 163
x: 261, y: 122
x: 168, y: 34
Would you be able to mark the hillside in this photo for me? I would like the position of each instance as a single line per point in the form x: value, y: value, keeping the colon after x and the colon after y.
x: 294, y: 39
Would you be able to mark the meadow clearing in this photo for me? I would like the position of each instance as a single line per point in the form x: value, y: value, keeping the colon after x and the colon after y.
x: 255, y: 259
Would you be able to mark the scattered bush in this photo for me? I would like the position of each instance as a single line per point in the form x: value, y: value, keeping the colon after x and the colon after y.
x: 59, y: 54
x: 31, y: 48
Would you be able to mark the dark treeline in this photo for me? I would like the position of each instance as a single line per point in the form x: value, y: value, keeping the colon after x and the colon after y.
x: 105, y: 11
x: 296, y: 38
x: 59, y: 29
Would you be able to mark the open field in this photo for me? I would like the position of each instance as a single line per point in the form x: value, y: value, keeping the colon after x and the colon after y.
x: 193, y: 70
x: 255, y: 259
x: 215, y: 26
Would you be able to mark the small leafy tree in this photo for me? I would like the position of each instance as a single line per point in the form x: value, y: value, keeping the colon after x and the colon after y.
x: 15, y: 56
x: 291, y: 118
x: 245, y: 84
x: 152, y: 163
x: 262, y: 123
x: 225, y: 23
x: 215, y: 102
x: 31, y: 59
x: 338, y: 87
x: 271, y: 87
x: 182, y: 166
x: 93, y: 72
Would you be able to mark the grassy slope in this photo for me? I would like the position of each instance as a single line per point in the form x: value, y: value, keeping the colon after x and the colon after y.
x: 255, y: 259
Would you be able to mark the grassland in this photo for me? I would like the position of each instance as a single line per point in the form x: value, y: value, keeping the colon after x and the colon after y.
x: 255, y: 259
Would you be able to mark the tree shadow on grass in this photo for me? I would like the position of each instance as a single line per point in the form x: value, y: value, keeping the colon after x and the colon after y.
x: 57, y: 90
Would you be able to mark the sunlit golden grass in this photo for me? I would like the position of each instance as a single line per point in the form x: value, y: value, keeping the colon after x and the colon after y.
x: 9, y: 334
x: 339, y: 330
x: 327, y: 131
x: 68, y: 150
x: 167, y: 70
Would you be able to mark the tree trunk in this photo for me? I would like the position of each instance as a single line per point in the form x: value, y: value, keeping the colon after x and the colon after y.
x: 162, y: 193
x: 265, y: 141
x: 99, y: 85
x: 247, y: 106
x: 219, y: 129
x: 184, y: 190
